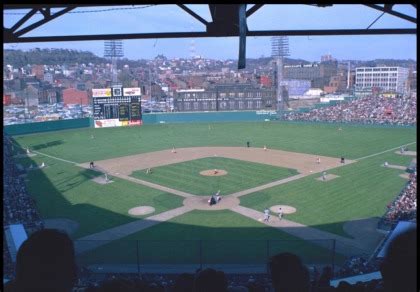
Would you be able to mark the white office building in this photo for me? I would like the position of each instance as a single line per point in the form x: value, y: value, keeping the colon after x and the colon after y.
x: 385, y: 78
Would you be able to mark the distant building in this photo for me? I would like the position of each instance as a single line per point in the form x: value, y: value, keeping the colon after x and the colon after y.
x: 296, y: 87
x: 49, y: 77
x: 7, y: 99
x: 302, y: 71
x: 74, y: 96
x: 225, y: 97
x: 265, y: 81
x: 385, y: 78
x: 318, y: 73
x: 31, y: 96
x: 38, y: 71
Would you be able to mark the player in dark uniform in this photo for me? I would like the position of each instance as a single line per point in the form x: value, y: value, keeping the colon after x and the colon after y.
x: 91, y: 164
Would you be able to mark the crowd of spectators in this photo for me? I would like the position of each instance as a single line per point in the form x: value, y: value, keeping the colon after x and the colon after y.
x: 18, y: 206
x: 37, y: 269
x: 357, y: 265
x: 404, y: 207
x: 376, y: 109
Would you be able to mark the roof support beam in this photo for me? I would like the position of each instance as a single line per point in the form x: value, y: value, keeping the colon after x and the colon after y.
x: 242, y: 36
x: 45, y: 20
x: 193, y: 14
x: 23, y: 20
x: 168, y: 35
x: 253, y: 9
x: 388, y: 9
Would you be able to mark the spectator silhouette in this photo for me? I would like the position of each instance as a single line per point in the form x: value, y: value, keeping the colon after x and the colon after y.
x: 326, y: 276
x: 210, y: 280
x: 288, y: 274
x: 45, y: 262
x: 184, y: 283
x: 399, y: 269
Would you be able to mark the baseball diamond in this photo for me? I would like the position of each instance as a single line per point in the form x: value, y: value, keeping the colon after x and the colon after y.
x: 159, y: 194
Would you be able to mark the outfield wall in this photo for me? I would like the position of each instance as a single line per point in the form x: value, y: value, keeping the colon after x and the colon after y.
x: 148, y: 119
x: 30, y: 128
x: 187, y: 117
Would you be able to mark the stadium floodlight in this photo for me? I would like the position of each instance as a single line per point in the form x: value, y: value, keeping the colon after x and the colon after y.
x: 279, y: 50
x: 113, y: 49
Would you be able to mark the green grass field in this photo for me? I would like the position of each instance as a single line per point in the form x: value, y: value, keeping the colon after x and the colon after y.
x: 241, y: 241
x: 63, y: 190
x: 240, y: 175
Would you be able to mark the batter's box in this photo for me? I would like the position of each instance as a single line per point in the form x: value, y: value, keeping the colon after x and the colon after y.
x: 102, y: 181
x: 328, y: 177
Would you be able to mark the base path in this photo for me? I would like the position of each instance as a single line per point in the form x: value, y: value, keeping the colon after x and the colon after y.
x: 104, y: 237
x: 266, y: 186
x: 303, y: 163
x: 343, y: 245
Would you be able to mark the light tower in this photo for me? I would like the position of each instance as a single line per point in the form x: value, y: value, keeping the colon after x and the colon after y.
x: 113, y: 49
x: 279, y: 50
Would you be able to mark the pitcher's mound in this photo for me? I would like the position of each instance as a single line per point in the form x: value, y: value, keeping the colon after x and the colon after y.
x: 141, y: 210
x: 328, y: 177
x: 286, y: 209
x: 213, y: 172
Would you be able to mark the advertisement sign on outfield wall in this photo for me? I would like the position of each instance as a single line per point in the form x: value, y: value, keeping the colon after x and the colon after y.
x: 101, y: 92
x: 134, y: 91
x: 115, y: 123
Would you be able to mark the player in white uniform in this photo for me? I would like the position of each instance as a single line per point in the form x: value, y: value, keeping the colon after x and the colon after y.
x: 266, y: 215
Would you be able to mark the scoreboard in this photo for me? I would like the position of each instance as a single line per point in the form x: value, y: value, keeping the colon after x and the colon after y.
x: 116, y: 106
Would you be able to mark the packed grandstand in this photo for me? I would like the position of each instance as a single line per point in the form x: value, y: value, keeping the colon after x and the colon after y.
x: 377, y: 109
x: 20, y: 208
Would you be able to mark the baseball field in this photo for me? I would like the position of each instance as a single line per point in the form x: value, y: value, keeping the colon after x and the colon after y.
x: 153, y: 207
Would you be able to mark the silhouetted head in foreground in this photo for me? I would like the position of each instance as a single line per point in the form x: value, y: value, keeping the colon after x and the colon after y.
x: 209, y: 280
x: 399, y: 269
x: 288, y: 274
x: 46, y: 262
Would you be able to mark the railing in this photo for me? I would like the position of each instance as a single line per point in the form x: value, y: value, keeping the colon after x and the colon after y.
x: 177, y: 256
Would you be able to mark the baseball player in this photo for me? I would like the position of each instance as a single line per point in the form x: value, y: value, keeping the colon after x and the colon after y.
x: 318, y: 160
x: 218, y: 198
x: 324, y: 175
x: 266, y: 215
x: 280, y: 213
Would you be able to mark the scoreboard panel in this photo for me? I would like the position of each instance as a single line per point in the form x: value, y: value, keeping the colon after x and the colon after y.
x: 114, y: 107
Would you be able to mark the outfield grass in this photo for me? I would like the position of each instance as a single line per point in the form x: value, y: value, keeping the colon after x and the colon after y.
x: 226, y: 237
x: 62, y: 190
x: 321, y: 139
x: 363, y: 190
x: 241, y: 175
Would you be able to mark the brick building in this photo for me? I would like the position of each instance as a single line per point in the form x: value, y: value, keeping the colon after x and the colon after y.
x: 74, y: 96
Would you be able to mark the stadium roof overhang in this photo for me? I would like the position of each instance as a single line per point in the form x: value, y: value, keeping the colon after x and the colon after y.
x: 228, y: 20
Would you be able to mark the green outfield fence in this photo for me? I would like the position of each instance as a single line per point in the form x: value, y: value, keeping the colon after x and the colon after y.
x: 177, y: 256
x: 190, y: 117
x: 148, y: 119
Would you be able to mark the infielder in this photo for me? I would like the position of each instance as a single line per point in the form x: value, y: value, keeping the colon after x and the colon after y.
x: 266, y: 215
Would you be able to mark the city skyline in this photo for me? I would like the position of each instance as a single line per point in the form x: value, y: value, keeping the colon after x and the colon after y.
x: 268, y: 17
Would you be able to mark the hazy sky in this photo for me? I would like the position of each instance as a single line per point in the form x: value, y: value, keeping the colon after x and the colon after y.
x: 170, y: 18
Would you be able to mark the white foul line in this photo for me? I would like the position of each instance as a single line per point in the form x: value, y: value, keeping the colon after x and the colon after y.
x: 379, y: 153
x: 54, y: 157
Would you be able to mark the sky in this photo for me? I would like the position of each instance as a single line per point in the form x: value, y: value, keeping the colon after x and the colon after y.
x: 171, y: 18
